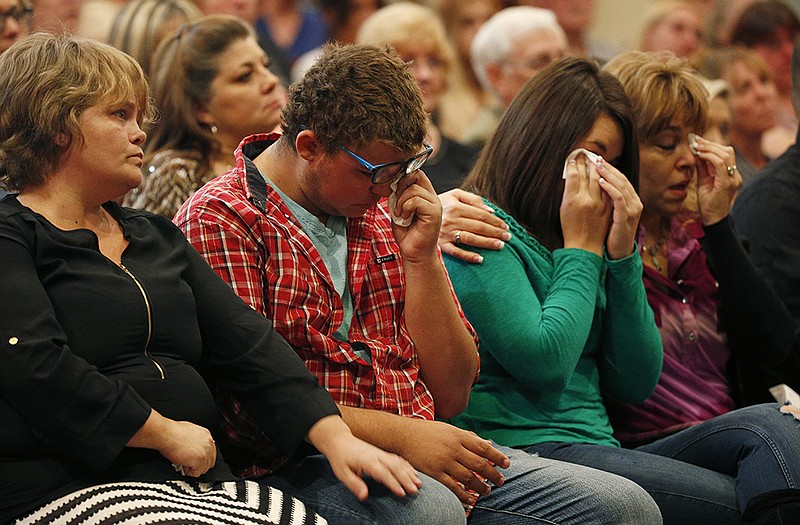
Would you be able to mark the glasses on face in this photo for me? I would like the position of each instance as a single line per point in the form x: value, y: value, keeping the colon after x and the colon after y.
x: 22, y: 13
x: 393, y: 171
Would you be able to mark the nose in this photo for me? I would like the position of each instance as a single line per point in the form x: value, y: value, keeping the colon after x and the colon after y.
x: 269, y: 81
x: 686, y: 159
x: 13, y: 27
x: 138, y: 136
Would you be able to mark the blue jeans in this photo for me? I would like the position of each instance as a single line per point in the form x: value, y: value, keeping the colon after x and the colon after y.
x: 536, y: 491
x: 707, y: 473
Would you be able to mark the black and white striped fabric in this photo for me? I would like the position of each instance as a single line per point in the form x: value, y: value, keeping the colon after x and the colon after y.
x: 174, y: 503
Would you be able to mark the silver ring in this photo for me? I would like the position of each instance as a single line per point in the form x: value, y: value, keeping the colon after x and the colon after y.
x: 732, y: 170
x: 457, y: 237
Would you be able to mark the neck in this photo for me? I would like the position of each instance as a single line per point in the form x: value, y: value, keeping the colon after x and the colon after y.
x: 64, y: 207
x: 283, y: 167
x: 655, y: 227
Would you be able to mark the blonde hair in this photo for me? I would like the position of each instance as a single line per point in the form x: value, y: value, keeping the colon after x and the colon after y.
x: 46, y: 82
x: 403, y: 24
x: 142, y: 24
x: 661, y: 88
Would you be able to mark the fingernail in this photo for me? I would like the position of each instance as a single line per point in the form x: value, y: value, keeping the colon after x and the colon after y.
x: 498, y: 245
x: 571, y: 161
x: 506, y: 236
x: 602, y: 180
x: 599, y: 162
x: 478, y: 259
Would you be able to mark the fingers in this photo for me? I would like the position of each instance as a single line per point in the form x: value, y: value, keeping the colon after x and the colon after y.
x: 396, y: 474
x: 354, y: 484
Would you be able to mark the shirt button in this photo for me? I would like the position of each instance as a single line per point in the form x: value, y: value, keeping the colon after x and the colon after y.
x: 13, y: 341
x: 692, y: 336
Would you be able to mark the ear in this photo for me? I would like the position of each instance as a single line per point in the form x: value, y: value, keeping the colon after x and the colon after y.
x: 307, y: 146
x: 61, y: 139
x: 494, y: 74
x: 202, y: 114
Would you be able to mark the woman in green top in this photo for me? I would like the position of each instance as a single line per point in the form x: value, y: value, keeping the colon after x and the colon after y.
x: 562, y: 313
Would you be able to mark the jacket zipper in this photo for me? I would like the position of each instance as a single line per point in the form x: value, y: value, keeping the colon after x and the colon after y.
x: 149, y: 320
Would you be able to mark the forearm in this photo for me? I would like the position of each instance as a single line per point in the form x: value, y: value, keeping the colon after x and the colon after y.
x: 447, y: 351
x: 382, y: 429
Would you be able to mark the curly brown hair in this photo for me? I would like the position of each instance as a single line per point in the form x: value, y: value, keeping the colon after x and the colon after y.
x: 354, y: 95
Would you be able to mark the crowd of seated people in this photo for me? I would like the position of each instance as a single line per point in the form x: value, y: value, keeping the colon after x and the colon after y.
x: 459, y: 262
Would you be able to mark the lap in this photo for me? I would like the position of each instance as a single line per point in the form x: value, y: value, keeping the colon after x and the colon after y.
x: 174, y: 502
x: 541, y: 490
x: 685, y: 493
x: 312, y: 481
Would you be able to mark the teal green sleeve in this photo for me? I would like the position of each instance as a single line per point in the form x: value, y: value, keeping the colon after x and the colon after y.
x: 632, y: 353
x: 532, y: 315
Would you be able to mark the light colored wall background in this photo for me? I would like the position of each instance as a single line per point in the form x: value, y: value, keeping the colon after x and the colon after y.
x: 619, y: 21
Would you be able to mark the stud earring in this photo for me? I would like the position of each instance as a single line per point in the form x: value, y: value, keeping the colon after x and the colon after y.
x: 213, y: 129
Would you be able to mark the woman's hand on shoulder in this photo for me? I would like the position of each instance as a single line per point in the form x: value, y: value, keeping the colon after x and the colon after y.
x: 352, y: 458
x: 717, y: 185
x: 468, y: 221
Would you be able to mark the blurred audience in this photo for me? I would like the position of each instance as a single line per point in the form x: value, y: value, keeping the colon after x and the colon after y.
x: 720, y: 19
x: 508, y: 50
x: 753, y: 101
x: 465, y: 97
x: 343, y: 18
x: 767, y: 212
x: 15, y: 21
x: 769, y: 28
x: 575, y: 18
x: 672, y: 25
x: 295, y: 26
x: 212, y: 88
x: 141, y: 25
x: 250, y: 12
x: 56, y: 16
x: 418, y: 36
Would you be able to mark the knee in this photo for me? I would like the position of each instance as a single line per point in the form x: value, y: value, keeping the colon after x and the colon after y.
x: 434, y: 504
x: 623, y: 502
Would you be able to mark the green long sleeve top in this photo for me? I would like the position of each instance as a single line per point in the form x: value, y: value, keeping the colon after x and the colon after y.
x: 555, y: 328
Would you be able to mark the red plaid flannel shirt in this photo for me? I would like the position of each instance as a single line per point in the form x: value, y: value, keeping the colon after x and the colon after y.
x: 260, y: 249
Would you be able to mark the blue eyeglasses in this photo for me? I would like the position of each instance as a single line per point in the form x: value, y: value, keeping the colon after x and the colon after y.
x: 393, y: 171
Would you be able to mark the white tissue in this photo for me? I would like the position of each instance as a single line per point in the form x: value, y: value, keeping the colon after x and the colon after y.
x: 590, y: 156
x: 398, y: 220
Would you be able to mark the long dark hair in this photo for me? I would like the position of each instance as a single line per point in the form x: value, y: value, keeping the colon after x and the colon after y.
x: 520, y: 167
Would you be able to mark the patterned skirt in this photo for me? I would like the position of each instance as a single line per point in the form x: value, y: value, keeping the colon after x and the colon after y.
x: 175, y: 502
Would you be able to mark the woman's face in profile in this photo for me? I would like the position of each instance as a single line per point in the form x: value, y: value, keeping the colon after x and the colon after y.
x: 246, y: 97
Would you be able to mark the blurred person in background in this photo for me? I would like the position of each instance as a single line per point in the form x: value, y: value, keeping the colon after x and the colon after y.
x: 465, y: 96
x: 211, y: 84
x: 56, y: 16
x: 753, y: 102
x: 142, y: 24
x: 672, y: 25
x: 344, y: 18
x: 250, y: 11
x: 508, y: 50
x: 15, y: 21
x: 575, y: 18
x: 769, y: 28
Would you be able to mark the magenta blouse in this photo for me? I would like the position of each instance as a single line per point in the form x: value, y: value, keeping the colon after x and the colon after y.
x: 693, y: 386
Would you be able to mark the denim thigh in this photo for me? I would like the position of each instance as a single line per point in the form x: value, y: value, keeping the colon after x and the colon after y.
x: 685, y: 493
x: 312, y: 481
x: 543, y: 491
x: 759, y: 446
